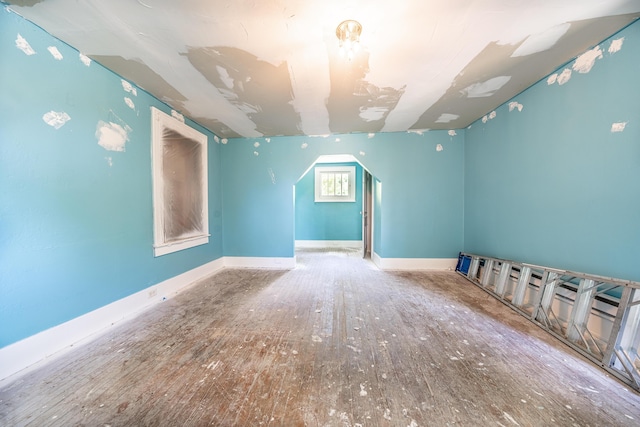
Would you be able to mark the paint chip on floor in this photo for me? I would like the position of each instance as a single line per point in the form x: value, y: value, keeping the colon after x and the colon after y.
x: 316, y: 338
x: 56, y: 119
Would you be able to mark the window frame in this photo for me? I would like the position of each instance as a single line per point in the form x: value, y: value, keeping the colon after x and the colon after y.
x: 319, y: 170
x: 161, y: 245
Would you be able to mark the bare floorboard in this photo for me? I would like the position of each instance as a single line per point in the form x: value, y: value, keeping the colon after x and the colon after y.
x: 334, y: 342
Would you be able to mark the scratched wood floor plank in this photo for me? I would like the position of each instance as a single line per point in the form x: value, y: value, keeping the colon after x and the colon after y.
x: 334, y: 342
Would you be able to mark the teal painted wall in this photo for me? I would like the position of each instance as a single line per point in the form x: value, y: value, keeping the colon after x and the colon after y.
x: 552, y: 184
x: 327, y: 221
x: 76, y: 228
x: 421, y: 216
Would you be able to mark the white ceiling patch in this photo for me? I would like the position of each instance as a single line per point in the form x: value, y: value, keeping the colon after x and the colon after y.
x: 514, y: 105
x: 618, y: 127
x: 486, y: 88
x: 111, y: 136
x: 542, y: 41
x: 180, y: 118
x: 129, y: 102
x: 616, y: 45
x: 225, y: 77
x: 564, y: 76
x: 372, y: 114
x: 56, y: 119
x: 55, y: 52
x: 418, y: 131
x: 447, y: 117
x: 84, y: 59
x: 24, y: 45
x: 585, y: 62
x: 129, y: 88
x: 452, y: 132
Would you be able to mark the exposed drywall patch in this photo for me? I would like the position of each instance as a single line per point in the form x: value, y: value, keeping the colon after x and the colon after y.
x: 447, y: 117
x: 55, y: 52
x: 514, y: 105
x: 109, y: 161
x: 255, y: 153
x: 439, y: 147
x: 84, y: 59
x: 224, y: 140
x: 111, y: 136
x: 128, y: 87
x: 486, y: 88
x: 268, y: 139
x: 564, y: 76
x: 272, y: 175
x: 618, y: 127
x: 485, y: 118
x: 337, y: 139
x: 56, y: 119
x: 216, y: 139
x: 129, y: 102
x: 492, y: 115
x: 259, y: 89
x: 585, y: 62
x: 616, y: 45
x: 256, y: 144
x: 304, y: 145
x: 179, y: 117
x: 371, y: 135
x: 542, y: 41
x: 452, y: 132
x: 24, y: 45
x: 362, y: 153
x: 552, y: 79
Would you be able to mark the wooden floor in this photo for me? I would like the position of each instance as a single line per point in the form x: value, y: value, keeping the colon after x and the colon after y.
x: 334, y: 342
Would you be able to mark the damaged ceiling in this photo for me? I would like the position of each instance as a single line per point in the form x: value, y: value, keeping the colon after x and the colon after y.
x: 271, y: 67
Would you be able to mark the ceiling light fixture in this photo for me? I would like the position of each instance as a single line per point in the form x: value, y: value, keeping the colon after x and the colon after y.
x: 348, y: 33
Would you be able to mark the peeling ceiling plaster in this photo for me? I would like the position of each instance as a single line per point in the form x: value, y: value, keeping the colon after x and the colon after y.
x: 271, y: 67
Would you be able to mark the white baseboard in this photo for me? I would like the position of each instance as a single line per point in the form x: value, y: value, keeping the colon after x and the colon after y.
x: 260, y: 262
x: 414, y: 263
x: 31, y: 352
x: 376, y: 259
x: 356, y: 244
